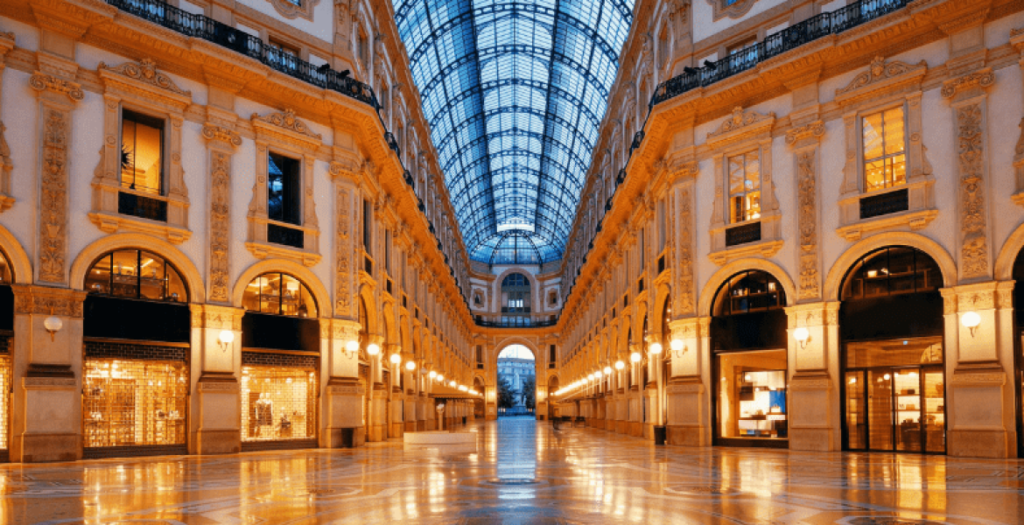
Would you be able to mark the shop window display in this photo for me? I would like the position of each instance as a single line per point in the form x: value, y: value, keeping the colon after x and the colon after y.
x: 752, y: 394
x: 278, y: 403
x: 5, y: 401
x: 134, y: 402
x: 135, y: 274
x: 279, y: 294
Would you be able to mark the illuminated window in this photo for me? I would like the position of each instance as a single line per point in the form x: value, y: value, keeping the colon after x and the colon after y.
x: 744, y: 187
x: 142, y: 152
x: 892, y: 271
x: 283, y: 189
x: 884, y: 142
x: 279, y: 294
x: 134, y: 402
x: 136, y: 274
x: 278, y: 402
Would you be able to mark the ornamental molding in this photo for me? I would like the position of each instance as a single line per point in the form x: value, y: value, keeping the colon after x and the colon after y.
x: 41, y: 300
x: 812, y: 130
x: 742, y: 125
x: 973, y: 223
x: 881, y: 75
x: 43, y: 82
x: 343, y: 254
x: 357, y: 390
x: 143, y: 72
x: 53, y: 200
x: 6, y: 169
x: 285, y: 126
x: 809, y: 285
x: 214, y: 132
x: 735, y: 9
x: 220, y: 225
x: 295, y: 9
x: 218, y: 386
x: 978, y: 79
x: 47, y: 383
x: 217, y: 317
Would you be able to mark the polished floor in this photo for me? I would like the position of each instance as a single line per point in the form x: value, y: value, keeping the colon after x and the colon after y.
x: 522, y: 472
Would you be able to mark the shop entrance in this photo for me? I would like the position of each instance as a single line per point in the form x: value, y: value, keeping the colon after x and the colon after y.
x: 891, y: 326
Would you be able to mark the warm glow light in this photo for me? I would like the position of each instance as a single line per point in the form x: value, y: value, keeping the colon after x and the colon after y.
x: 607, y: 370
x: 655, y: 348
x: 676, y: 345
x: 352, y: 346
x: 396, y: 358
x: 619, y: 365
x: 801, y: 334
x: 462, y: 388
x: 440, y: 377
x: 635, y: 357
x: 452, y: 383
x: 226, y: 336
x: 372, y: 349
x: 971, y: 320
x: 410, y: 366
x: 52, y: 324
x: 432, y: 374
x: 590, y: 377
x: 598, y: 374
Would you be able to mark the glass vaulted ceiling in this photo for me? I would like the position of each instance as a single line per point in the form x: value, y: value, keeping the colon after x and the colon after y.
x: 514, y: 92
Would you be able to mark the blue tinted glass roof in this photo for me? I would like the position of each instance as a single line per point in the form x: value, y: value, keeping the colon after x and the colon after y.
x: 514, y: 92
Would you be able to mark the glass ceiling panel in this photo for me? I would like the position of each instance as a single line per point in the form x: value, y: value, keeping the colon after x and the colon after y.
x: 514, y: 92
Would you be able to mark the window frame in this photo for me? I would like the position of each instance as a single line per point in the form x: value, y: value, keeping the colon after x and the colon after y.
x: 861, y: 117
x: 164, y: 140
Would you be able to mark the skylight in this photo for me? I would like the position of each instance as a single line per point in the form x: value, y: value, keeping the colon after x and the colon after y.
x: 514, y: 92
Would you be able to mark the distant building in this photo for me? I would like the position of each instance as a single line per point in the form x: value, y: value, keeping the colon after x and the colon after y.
x: 517, y: 371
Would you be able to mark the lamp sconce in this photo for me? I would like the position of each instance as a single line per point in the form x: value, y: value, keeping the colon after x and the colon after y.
x: 619, y: 365
x: 635, y: 357
x: 410, y: 365
x: 372, y: 349
x: 802, y: 336
x: 971, y: 321
x: 53, y: 324
x: 678, y: 347
x: 352, y: 347
x: 654, y: 349
x: 225, y: 338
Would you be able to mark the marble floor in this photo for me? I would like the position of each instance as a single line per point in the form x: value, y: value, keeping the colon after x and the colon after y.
x: 522, y: 472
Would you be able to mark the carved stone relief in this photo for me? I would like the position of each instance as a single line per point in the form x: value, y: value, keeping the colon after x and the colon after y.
x: 808, y: 220
x: 971, y: 150
x: 53, y: 200
x: 730, y: 8
x: 220, y: 226
x: 292, y: 9
x: 684, y: 300
x: 343, y: 299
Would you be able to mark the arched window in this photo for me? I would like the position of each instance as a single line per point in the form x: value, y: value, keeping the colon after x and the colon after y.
x: 892, y: 271
x: 135, y: 274
x: 279, y: 294
x: 747, y: 292
x: 515, y: 292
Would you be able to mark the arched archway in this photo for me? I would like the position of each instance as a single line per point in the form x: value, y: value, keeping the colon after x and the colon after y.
x: 516, y: 381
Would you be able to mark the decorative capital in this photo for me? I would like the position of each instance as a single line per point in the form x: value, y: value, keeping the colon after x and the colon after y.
x: 979, y: 79
x: 287, y: 121
x: 43, y: 82
x: 228, y: 136
x: 145, y: 71
x: 813, y: 130
x: 741, y: 123
x: 881, y: 71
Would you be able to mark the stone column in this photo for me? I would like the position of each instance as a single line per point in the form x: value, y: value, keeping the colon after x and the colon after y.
x: 343, y: 422
x: 46, y: 401
x: 377, y: 418
x: 216, y: 365
x: 689, y: 406
x: 813, y: 405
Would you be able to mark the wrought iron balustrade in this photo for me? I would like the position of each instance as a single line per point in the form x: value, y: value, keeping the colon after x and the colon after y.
x: 743, y: 234
x: 884, y: 204
x: 788, y: 39
x: 285, y: 236
x: 141, y: 206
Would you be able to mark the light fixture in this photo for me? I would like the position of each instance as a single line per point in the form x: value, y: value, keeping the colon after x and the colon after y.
x: 225, y: 338
x: 677, y: 345
x: 53, y: 324
x: 452, y: 383
x: 372, y: 349
x: 396, y: 358
x: 432, y: 374
x: 410, y: 366
x: 607, y: 370
x: 598, y: 374
x: 971, y: 320
x: 802, y: 336
x: 440, y: 378
x: 619, y: 365
x: 590, y: 377
x: 654, y: 349
x: 853, y: 380
x: 635, y: 357
x: 352, y: 346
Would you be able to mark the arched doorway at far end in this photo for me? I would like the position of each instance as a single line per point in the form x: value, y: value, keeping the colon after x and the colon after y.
x: 516, y: 381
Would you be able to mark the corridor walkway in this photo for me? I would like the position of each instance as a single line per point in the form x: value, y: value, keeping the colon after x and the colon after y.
x: 522, y: 472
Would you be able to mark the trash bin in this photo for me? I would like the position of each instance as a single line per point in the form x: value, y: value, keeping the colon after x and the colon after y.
x: 660, y: 435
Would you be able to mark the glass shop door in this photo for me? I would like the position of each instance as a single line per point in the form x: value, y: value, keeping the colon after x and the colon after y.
x: 896, y: 409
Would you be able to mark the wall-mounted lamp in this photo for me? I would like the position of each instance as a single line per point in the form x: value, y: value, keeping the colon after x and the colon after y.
x: 598, y: 374
x: 607, y: 370
x: 432, y: 374
x: 372, y: 349
x: 619, y: 365
x: 440, y: 378
x: 410, y: 365
x: 452, y: 383
x: 802, y: 336
x: 971, y: 321
x: 677, y: 346
x: 53, y: 324
x: 635, y: 357
x: 352, y: 347
x: 225, y: 339
x: 590, y: 377
x: 654, y: 349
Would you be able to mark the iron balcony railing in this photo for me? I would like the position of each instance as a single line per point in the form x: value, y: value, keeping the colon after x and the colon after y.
x: 788, y: 39
x: 199, y: 26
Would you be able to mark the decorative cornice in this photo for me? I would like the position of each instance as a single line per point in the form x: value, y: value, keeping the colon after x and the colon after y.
x: 288, y: 122
x: 740, y: 124
x: 880, y: 72
x: 812, y: 130
x: 228, y: 136
x: 44, y: 82
x: 982, y: 79
x: 145, y: 71
x: 292, y: 10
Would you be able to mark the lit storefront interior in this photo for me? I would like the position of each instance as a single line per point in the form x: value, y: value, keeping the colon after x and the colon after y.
x: 748, y: 339
x: 136, y: 372
x: 6, y: 340
x: 280, y: 364
x: 894, y: 382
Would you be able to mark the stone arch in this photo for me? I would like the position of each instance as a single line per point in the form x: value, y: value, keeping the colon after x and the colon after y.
x: 707, y: 294
x: 391, y: 329
x: 180, y: 261
x: 657, y: 320
x: 300, y: 272
x: 534, y: 288
x: 837, y: 273
x: 370, y: 304
x: 641, y: 314
x: 21, y: 265
x: 406, y: 336
x: 625, y: 333
x: 1008, y: 254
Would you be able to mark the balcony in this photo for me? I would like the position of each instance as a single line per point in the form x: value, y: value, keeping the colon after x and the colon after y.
x: 788, y: 39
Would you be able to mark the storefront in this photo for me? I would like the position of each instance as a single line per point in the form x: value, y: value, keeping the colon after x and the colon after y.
x: 6, y: 339
x: 748, y: 342
x: 1018, y: 313
x: 891, y: 325
x: 280, y: 364
x: 136, y: 369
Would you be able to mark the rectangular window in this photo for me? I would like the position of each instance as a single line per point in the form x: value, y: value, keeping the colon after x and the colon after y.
x: 751, y: 395
x: 364, y: 48
x: 283, y: 188
x: 367, y: 226
x: 744, y: 187
x: 282, y: 55
x: 387, y: 251
x: 142, y: 152
x: 885, y: 149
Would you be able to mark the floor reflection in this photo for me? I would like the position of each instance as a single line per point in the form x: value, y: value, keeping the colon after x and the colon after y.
x: 520, y: 472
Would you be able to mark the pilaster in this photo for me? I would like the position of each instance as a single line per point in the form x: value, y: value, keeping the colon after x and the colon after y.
x: 216, y: 361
